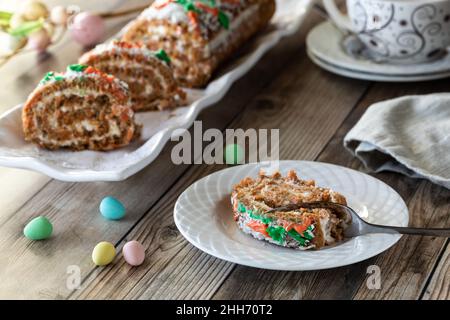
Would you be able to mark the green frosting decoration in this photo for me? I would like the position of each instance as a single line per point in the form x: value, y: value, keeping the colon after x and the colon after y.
x: 303, y: 238
x: 261, y: 218
x: 189, y: 5
x: 306, y: 234
x: 212, y: 3
x: 49, y: 76
x: 277, y: 233
x: 241, y: 207
x: 162, y: 55
x: 224, y: 20
x: 76, y: 67
x: 253, y: 214
x: 294, y: 234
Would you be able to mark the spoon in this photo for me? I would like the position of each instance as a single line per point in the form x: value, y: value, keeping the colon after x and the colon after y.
x: 360, y: 227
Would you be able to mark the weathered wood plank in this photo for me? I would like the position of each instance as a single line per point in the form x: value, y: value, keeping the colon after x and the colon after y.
x: 439, y: 286
x: 407, y: 266
x: 20, y: 75
x: 74, y: 207
x: 308, y: 107
x: 348, y: 282
x: 168, y: 271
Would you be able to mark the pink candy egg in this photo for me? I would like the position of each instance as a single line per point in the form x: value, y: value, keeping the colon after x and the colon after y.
x: 39, y: 40
x: 133, y: 253
x: 87, y: 28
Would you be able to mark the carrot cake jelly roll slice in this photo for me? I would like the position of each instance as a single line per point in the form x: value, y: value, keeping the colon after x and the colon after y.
x: 199, y: 35
x: 299, y: 229
x: 147, y: 73
x: 82, y: 108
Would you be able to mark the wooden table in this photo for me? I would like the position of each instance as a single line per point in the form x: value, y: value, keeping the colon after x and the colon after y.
x: 313, y: 110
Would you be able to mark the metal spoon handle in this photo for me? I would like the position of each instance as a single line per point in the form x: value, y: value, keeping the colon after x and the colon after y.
x: 373, y: 228
x: 360, y: 227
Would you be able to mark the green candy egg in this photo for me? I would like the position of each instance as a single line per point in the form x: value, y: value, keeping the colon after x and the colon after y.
x: 234, y: 154
x: 39, y: 228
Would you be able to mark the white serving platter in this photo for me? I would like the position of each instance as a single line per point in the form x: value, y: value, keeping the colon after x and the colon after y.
x: 158, y: 126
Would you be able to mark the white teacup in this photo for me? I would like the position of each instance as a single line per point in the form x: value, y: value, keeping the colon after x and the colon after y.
x: 398, y: 31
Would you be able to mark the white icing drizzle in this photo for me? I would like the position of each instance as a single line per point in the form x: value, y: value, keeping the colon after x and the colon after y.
x: 221, y: 38
x: 175, y: 13
x: 73, y: 75
x: 86, y: 124
x: 172, y: 12
x: 114, y: 46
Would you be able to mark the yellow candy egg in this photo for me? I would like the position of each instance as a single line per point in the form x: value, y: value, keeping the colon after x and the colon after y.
x: 33, y: 10
x: 103, y: 253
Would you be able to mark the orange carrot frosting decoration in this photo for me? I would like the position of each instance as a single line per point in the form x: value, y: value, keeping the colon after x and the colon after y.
x: 287, y: 225
x: 104, y: 76
x: 193, y: 18
x: 300, y: 228
x: 204, y: 7
x: 258, y: 227
x: 194, y: 8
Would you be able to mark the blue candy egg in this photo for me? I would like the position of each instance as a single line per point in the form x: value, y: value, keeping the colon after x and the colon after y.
x: 112, y: 209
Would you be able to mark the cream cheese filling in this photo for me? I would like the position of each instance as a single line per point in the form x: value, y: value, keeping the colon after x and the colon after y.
x: 114, y: 130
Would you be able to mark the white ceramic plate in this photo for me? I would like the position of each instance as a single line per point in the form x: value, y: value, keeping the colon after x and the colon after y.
x: 158, y: 126
x: 325, y: 50
x: 203, y: 214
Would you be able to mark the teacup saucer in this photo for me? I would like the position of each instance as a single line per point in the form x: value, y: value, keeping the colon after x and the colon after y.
x: 325, y: 49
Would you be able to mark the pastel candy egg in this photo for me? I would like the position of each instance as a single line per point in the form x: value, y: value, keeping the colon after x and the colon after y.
x: 39, y: 40
x: 39, y: 228
x: 33, y: 10
x: 87, y: 29
x: 103, y: 253
x: 234, y: 154
x: 112, y: 209
x: 133, y: 253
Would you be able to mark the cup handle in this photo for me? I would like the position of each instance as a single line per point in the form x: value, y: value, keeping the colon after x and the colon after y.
x: 340, y: 19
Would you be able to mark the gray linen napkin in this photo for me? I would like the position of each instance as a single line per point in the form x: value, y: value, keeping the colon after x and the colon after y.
x: 409, y: 135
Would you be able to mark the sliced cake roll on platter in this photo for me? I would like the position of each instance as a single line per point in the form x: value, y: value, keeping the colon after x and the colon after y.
x: 299, y: 229
x: 147, y: 73
x: 199, y: 35
x: 80, y: 109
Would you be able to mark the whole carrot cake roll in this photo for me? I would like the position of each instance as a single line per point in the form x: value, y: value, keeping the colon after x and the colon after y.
x: 82, y: 108
x: 299, y: 229
x: 147, y: 73
x: 199, y: 35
